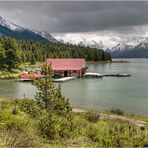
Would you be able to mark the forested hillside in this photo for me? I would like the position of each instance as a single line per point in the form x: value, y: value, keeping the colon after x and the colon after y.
x: 13, y: 52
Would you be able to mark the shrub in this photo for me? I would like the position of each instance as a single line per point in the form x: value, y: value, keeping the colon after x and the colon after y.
x: 14, y: 131
x: 53, y: 127
x: 30, y: 107
x: 116, y: 111
x: 92, y: 116
x: 4, y: 104
x: 11, y: 121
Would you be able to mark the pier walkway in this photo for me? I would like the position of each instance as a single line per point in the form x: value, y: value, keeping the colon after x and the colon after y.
x: 63, y: 79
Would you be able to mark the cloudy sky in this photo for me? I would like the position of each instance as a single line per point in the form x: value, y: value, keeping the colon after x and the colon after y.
x: 110, y: 22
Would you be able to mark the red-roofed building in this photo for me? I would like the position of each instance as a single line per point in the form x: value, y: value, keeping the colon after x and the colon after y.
x: 68, y: 67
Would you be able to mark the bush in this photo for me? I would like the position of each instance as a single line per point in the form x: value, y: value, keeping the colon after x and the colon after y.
x: 4, y: 104
x: 53, y: 127
x: 14, y: 131
x: 116, y: 111
x: 92, y: 116
x: 30, y: 107
x: 11, y: 121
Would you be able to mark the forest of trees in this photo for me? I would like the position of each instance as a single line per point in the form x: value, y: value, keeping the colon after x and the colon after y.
x: 13, y: 52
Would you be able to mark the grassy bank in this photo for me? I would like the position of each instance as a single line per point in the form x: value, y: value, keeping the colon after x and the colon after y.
x: 24, y: 123
x: 15, y: 73
x: 10, y: 75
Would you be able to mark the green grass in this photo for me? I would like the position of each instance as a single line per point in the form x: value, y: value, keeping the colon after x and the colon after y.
x: 20, y: 120
x: 27, y: 64
x: 4, y: 74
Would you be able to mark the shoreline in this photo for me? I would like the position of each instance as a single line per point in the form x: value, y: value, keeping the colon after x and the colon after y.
x: 5, y: 75
x: 107, y: 62
x: 115, y: 117
x: 138, y: 121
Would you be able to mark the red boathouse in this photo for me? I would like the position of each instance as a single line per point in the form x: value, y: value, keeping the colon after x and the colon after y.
x: 68, y: 67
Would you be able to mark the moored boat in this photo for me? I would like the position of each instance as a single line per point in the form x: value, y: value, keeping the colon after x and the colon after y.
x: 29, y: 77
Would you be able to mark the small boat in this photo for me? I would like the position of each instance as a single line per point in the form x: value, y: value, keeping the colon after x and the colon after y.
x: 29, y: 77
x: 92, y: 75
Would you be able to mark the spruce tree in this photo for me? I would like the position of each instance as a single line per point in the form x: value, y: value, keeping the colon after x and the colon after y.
x: 48, y: 95
x: 2, y: 56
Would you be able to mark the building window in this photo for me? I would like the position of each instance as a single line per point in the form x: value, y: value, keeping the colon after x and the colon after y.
x: 74, y: 71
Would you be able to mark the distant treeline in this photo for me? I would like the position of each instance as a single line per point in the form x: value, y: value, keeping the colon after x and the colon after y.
x: 13, y: 51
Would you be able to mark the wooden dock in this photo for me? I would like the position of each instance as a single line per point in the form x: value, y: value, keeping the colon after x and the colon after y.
x: 92, y: 75
x: 63, y: 79
x: 99, y: 75
x: 116, y: 75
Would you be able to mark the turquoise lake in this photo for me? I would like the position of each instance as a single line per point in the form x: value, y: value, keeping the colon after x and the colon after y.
x: 128, y: 93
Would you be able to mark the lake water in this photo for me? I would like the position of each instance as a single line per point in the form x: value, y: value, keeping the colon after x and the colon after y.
x: 128, y: 93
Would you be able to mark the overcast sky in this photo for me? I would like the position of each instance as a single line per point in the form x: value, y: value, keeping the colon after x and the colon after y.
x: 110, y: 22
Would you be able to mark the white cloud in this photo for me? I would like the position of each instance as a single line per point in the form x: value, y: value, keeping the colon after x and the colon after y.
x: 109, y: 38
x: 75, y: 38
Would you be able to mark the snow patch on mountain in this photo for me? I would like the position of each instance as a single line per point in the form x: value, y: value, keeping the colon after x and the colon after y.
x: 10, y: 25
x: 130, y: 45
x: 92, y: 44
x: 86, y: 43
x: 45, y: 35
x: 122, y: 47
x: 143, y: 44
x: 16, y: 28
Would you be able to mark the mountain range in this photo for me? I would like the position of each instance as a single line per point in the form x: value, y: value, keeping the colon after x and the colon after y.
x: 8, y: 28
x: 134, y: 49
x: 137, y: 48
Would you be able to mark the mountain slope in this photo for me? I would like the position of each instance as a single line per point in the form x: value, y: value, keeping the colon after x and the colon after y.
x: 92, y: 44
x: 10, y: 29
x: 126, y: 50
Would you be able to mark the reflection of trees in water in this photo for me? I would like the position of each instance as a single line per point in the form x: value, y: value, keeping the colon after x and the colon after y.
x: 15, y: 89
x: 8, y: 88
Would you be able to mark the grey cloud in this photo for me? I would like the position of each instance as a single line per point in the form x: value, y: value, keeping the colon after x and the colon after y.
x: 62, y: 17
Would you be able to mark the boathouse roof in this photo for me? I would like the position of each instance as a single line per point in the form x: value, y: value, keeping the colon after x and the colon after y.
x: 67, y: 63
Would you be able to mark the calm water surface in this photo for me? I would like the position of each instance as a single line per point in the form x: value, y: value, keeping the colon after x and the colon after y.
x: 127, y: 93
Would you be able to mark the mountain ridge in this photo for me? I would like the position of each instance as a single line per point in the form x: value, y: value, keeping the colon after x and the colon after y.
x: 8, y: 28
x: 136, y: 48
x: 124, y: 50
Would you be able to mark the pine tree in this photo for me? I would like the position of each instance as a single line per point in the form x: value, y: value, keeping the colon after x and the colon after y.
x: 33, y: 60
x: 2, y: 56
x: 49, y: 96
x: 12, y: 54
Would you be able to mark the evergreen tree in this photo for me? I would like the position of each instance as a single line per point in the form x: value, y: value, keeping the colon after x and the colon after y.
x: 11, y: 59
x: 33, y: 60
x: 13, y: 52
x: 2, y: 56
x: 49, y: 96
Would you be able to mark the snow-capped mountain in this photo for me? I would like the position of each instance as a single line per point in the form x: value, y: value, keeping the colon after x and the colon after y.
x: 132, y: 49
x: 121, y: 47
x: 91, y: 44
x: 136, y: 47
x: 10, y: 25
x: 45, y: 35
x: 8, y: 28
